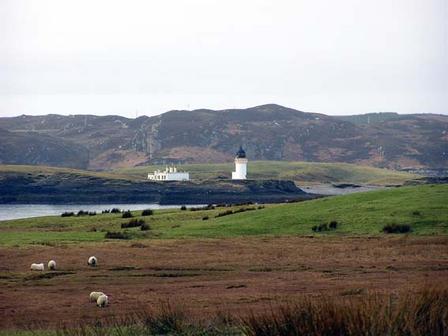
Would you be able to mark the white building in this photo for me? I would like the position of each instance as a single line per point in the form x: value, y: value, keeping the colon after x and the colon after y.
x: 169, y: 174
x: 240, y: 165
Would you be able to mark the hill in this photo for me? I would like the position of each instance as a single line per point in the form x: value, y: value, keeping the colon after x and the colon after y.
x: 424, y: 208
x: 300, y: 172
x: 268, y: 132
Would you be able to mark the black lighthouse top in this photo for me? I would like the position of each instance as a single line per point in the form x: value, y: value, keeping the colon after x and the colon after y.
x: 241, y: 154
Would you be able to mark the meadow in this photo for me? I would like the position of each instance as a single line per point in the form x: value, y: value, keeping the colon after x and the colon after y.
x: 424, y: 208
x: 300, y: 172
x: 235, y: 270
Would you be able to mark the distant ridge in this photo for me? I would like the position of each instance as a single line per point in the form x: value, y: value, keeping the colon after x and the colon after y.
x: 268, y: 132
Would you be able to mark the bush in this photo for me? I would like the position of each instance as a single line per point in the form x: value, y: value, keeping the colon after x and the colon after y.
x: 183, y: 208
x: 207, y: 207
x: 82, y: 213
x: 147, y: 212
x: 115, y: 210
x: 416, y: 213
x: 333, y: 225
x: 224, y: 213
x: 116, y: 235
x: 320, y: 228
x: 397, y: 228
x: 126, y: 214
x: 205, y: 218
x: 133, y: 223
x: 145, y: 227
x: 92, y: 213
x: 105, y: 211
x: 67, y: 214
x: 324, y: 227
x: 244, y: 209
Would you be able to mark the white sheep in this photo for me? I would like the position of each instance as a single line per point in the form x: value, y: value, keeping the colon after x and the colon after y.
x: 37, y: 267
x: 95, y: 295
x: 92, y: 261
x: 102, y: 301
x: 52, y: 265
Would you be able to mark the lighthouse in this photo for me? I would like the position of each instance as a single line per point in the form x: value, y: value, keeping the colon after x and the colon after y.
x: 240, y: 165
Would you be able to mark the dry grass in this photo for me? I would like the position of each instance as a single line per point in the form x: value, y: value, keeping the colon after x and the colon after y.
x: 422, y: 313
x: 418, y: 314
x: 236, y: 275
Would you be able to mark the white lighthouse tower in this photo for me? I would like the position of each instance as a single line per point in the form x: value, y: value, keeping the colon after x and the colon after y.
x: 240, y: 165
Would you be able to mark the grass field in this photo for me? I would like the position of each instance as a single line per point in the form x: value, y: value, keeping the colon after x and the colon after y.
x: 424, y: 208
x: 206, y: 279
x: 235, y: 274
x: 46, y: 170
x: 302, y: 172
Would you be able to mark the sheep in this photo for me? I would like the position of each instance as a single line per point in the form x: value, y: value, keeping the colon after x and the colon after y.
x: 52, y: 265
x: 95, y: 295
x: 102, y: 301
x: 37, y: 267
x: 92, y: 261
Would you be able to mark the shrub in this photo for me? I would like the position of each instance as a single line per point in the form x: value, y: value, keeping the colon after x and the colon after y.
x: 207, y: 207
x: 243, y: 210
x: 145, y: 227
x: 116, y: 235
x: 224, y: 213
x: 147, y: 212
x: 82, y: 213
x: 320, y: 228
x: 126, y: 214
x: 397, y: 228
x: 67, y: 214
x: 133, y: 223
x: 183, y: 208
x: 416, y: 213
x: 205, y: 218
x: 105, y: 211
x: 115, y: 210
x: 333, y: 225
x: 92, y: 213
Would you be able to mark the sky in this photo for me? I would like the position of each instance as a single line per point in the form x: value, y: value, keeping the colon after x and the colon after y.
x: 146, y: 57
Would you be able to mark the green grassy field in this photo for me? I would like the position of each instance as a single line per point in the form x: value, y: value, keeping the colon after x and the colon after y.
x: 46, y: 170
x: 424, y: 208
x: 301, y: 172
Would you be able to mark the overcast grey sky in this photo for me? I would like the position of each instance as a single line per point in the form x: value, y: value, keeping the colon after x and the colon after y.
x: 147, y: 57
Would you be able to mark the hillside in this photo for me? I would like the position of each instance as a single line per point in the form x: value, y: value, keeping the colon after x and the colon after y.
x: 268, y: 132
x: 424, y: 208
x: 300, y: 172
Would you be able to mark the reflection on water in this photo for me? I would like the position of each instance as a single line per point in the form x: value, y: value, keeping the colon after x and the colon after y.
x: 15, y: 211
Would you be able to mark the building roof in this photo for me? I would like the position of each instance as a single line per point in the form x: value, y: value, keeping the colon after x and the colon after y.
x: 241, y: 153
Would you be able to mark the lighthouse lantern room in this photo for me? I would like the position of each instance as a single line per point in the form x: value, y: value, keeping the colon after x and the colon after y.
x: 240, y: 165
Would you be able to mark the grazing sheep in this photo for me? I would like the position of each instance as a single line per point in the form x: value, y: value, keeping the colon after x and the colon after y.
x: 52, y: 265
x: 37, y: 267
x: 102, y: 301
x: 95, y: 295
x: 92, y: 261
